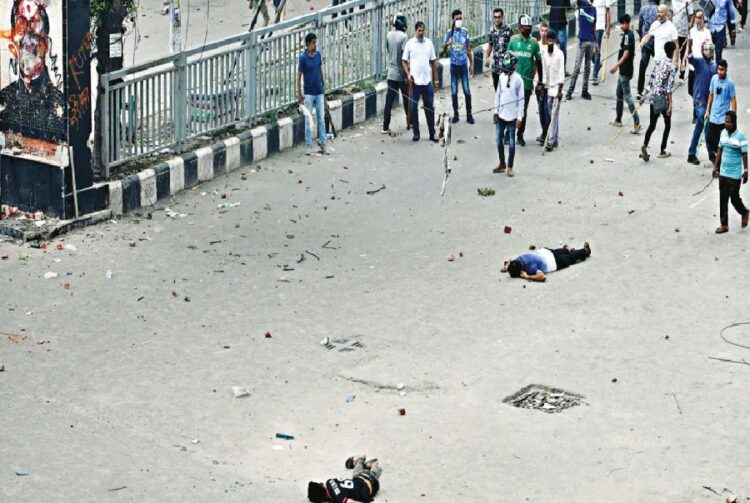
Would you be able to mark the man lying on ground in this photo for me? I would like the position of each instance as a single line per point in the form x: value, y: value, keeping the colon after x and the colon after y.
x: 361, y: 488
x: 534, y: 266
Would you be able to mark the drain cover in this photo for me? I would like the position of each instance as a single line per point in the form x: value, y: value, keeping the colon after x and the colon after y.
x: 544, y: 398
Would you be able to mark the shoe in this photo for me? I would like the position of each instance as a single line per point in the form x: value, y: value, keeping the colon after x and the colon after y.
x: 568, y: 97
x: 385, y: 131
x: 520, y: 141
x: 500, y: 168
x: 721, y: 229
x: 664, y: 154
x: 549, y: 148
x: 639, y: 96
x: 745, y: 219
x: 350, y: 462
x: 470, y: 119
x: 586, y: 96
x: 587, y: 247
x: 693, y: 160
x: 415, y: 137
x: 510, y: 172
x: 636, y: 129
x: 616, y: 123
x: 553, y: 145
x: 454, y: 119
x: 644, y: 153
x: 323, y: 150
x: 540, y: 139
x: 567, y: 73
x: 594, y: 82
x: 433, y: 139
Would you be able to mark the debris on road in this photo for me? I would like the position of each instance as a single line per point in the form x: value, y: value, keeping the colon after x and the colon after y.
x: 174, y: 214
x: 451, y: 258
x: 325, y: 341
x: 267, y: 335
x: 350, y: 398
x: 507, y: 229
x: 22, y: 474
x: 50, y: 275
x: 239, y: 391
x: 284, y: 436
x: 486, y: 192
x: 373, y: 192
x: 401, y: 411
x: 543, y: 398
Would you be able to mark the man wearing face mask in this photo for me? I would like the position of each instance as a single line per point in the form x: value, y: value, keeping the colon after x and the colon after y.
x: 498, y: 41
x: 698, y: 36
x: 553, y: 64
x: 722, y: 98
x: 458, y: 43
x: 32, y: 106
x: 705, y: 69
x: 419, y: 62
x: 526, y: 49
x: 586, y: 48
x: 508, y: 112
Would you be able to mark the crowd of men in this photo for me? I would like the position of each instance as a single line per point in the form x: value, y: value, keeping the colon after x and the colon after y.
x: 671, y: 42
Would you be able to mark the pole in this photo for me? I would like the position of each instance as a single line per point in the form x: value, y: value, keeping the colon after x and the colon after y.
x: 73, y: 179
x: 604, y: 67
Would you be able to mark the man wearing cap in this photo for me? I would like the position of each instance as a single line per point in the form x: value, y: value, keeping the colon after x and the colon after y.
x: 553, y: 64
x: 508, y: 112
x: 586, y: 48
x: 705, y: 69
x: 526, y: 49
x: 396, y: 40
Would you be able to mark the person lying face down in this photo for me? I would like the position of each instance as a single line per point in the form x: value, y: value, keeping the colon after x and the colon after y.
x: 536, y: 264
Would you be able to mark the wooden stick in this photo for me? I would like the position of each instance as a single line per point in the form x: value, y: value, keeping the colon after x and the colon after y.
x: 640, y: 104
x: 604, y: 67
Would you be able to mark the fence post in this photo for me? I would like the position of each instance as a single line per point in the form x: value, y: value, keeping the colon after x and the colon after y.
x: 105, y: 159
x: 377, y: 49
x: 180, y: 100
x: 251, y: 65
x: 432, y: 23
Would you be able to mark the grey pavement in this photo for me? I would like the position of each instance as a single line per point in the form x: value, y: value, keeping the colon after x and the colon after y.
x: 117, y: 378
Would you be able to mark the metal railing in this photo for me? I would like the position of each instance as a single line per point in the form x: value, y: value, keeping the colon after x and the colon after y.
x: 160, y: 105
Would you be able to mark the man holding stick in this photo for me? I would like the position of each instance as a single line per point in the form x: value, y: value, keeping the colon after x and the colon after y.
x: 704, y: 69
x: 732, y: 157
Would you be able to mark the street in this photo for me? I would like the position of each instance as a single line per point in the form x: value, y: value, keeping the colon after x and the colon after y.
x: 118, y: 373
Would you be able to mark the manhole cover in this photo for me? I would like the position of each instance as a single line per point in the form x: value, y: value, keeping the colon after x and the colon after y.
x: 344, y: 345
x: 544, y: 398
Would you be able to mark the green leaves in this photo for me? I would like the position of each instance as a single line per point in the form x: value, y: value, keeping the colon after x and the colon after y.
x: 486, y: 192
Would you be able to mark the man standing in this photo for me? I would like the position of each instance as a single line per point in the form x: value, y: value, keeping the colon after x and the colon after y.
x: 646, y: 18
x: 732, y: 158
x: 526, y: 49
x: 660, y: 87
x: 310, y: 67
x: 682, y: 18
x: 462, y: 63
x: 558, y: 21
x: 553, y: 69
x: 498, y: 41
x: 586, y: 47
x: 705, y: 69
x: 624, y: 63
x: 421, y: 71
x: 717, y: 25
x: 540, y: 91
x: 721, y: 99
x: 602, y: 30
x: 508, y: 112
x: 662, y: 30
x: 396, y: 40
x: 699, y: 34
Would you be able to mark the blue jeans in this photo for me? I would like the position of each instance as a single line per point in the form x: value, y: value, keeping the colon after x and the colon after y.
x: 500, y: 130
x: 598, y: 55
x: 699, y: 111
x: 460, y: 72
x: 562, y: 39
x: 427, y: 94
x: 719, y: 37
x: 317, y: 101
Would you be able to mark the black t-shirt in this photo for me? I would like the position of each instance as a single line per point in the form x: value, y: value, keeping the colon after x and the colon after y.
x: 558, y: 14
x: 343, y: 489
x: 627, y: 43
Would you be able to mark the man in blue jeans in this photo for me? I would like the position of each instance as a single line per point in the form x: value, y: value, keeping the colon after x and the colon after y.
x: 462, y: 63
x: 420, y: 67
x: 508, y: 112
x: 310, y: 68
x: 717, y: 25
x: 722, y: 97
x: 704, y: 69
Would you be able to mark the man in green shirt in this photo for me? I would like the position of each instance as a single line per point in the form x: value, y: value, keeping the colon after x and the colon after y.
x: 526, y: 49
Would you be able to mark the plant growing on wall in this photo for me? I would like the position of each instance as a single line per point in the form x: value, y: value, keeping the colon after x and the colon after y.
x: 102, y: 9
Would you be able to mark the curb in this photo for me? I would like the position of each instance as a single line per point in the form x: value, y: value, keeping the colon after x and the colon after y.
x: 166, y: 179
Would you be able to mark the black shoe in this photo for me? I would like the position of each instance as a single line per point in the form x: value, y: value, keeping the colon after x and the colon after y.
x: 568, y: 97
x: 521, y: 141
x: 454, y: 119
x: 693, y: 160
x: 470, y: 119
x: 415, y: 137
x: 540, y: 139
x: 567, y: 73
x: 586, y: 96
x: 433, y: 139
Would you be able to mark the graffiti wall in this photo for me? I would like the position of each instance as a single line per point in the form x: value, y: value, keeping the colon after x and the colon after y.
x: 33, y: 115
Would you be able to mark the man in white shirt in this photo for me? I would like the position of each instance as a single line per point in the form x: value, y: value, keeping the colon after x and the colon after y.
x: 602, y: 29
x: 682, y: 17
x: 699, y: 34
x: 508, y: 114
x: 663, y: 31
x: 421, y: 71
x: 553, y: 72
